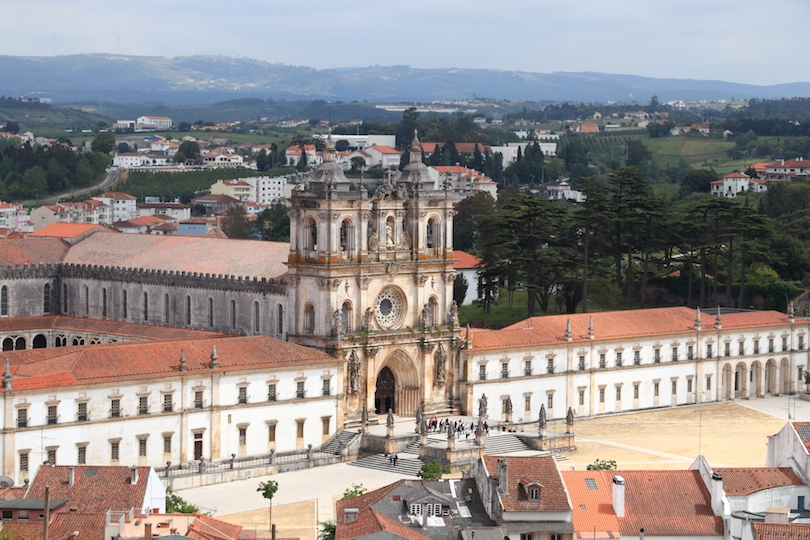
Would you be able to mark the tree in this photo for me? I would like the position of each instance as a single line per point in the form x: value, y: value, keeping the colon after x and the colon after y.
x: 327, y: 532
x: 104, y: 143
x: 180, y: 157
x: 122, y: 147
x: 12, y: 127
x: 190, y: 149
x: 460, y: 286
x: 432, y: 471
x: 354, y: 491
x: 273, y: 223
x: 358, y: 163
x: 268, y: 490
x: 35, y: 182
x: 341, y: 145
x: 697, y: 181
x: 175, y: 504
x: 183, y: 126
x: 236, y: 223
x: 637, y: 153
x: 600, y: 465
x: 654, y: 105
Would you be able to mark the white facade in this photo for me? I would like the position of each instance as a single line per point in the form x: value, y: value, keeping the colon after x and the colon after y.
x: 127, y: 160
x: 223, y: 160
x: 269, y: 189
x: 382, y: 156
x: 157, y: 122
x: 735, y: 183
x: 173, y: 210
x: 13, y: 216
x: 124, y: 206
x: 510, y: 150
x: 361, y: 141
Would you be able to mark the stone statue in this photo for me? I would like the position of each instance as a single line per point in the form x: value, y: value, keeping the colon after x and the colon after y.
x: 454, y: 314
x: 364, y: 415
x: 373, y: 242
x: 542, y: 420
x: 367, y: 317
x: 389, y: 236
x: 569, y: 421
x: 482, y: 406
x: 337, y: 323
x: 354, y: 373
x: 509, y: 404
x: 405, y: 241
x: 424, y: 316
x: 389, y: 422
x: 441, y: 359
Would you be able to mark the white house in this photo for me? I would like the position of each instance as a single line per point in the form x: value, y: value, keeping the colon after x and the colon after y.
x: 467, y: 265
x: 156, y: 122
x: 730, y: 185
x: 562, y: 191
x: 212, y: 160
x: 124, y: 206
x: 127, y: 160
x: 174, y: 210
x: 268, y: 189
x: 382, y: 156
x: 13, y: 216
x: 785, y: 169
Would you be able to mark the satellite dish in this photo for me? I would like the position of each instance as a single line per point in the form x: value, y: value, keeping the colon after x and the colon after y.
x: 5, y: 481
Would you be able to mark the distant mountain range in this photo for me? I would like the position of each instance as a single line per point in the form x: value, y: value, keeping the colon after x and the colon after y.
x: 185, y: 80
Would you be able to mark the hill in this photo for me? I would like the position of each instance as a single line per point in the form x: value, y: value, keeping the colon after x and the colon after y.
x: 31, y: 115
x: 205, y: 79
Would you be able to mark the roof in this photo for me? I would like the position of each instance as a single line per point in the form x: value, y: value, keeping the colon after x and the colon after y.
x: 90, y: 526
x: 741, y: 481
x: 550, y: 330
x: 212, y: 197
x: 779, y: 531
x: 525, y: 470
x: 803, y: 430
x: 464, y: 260
x: 65, y: 230
x: 32, y: 250
x: 208, y: 528
x: 737, y: 174
x: 95, y: 488
x: 59, y: 323
x: 115, y: 195
x: 251, y: 258
x: 383, y: 149
x: 137, y: 360
x: 592, y: 503
x: 163, y: 205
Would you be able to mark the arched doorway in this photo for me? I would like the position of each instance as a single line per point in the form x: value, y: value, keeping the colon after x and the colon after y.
x: 384, y: 391
x: 741, y: 381
x: 39, y: 342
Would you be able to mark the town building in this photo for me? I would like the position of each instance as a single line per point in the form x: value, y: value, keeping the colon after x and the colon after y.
x: 381, y: 156
x: 238, y: 189
x: 13, y: 216
x: 732, y: 184
x: 175, y: 210
x: 468, y: 266
x: 124, y: 206
x: 464, y: 182
x: 213, y: 160
x: 562, y: 191
x: 154, y: 122
x: 784, y: 170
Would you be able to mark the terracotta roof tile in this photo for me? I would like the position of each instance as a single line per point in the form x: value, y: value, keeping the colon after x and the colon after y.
x: 208, y: 528
x: 464, y: 260
x: 65, y: 230
x: 740, y: 481
x: 89, y: 525
x: 252, y: 258
x: 553, y: 497
x: 20, y: 530
x: 95, y: 489
x: 803, y: 431
x: 32, y: 250
x: 592, y: 503
x: 779, y: 531
x: 61, y: 323
x: 383, y: 149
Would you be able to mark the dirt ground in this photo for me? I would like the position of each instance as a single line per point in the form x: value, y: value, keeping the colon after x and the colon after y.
x: 293, y: 520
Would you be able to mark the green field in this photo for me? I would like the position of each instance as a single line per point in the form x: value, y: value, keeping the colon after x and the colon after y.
x: 699, y: 152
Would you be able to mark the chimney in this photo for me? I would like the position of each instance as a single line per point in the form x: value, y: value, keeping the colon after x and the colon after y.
x: 777, y: 515
x: 569, y: 336
x: 147, y: 531
x: 698, y: 325
x: 503, y: 476
x: 591, y: 332
x: 71, y: 476
x: 134, y: 475
x: 717, y: 491
x: 618, y: 496
x: 350, y: 515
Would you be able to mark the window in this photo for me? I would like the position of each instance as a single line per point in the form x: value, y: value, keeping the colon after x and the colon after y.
x: 3, y: 301
x: 556, y: 536
x: 505, y: 405
x: 784, y: 344
x: 534, y: 494
x: 689, y: 385
x: 64, y: 299
x: 674, y: 354
x: 309, y: 319
x: 527, y: 403
x: 280, y: 322
x: 166, y: 305
x: 618, y: 393
x: 690, y: 352
x: 742, y: 348
x: 770, y: 345
x: 416, y: 509
x: 198, y: 399
x: 242, y: 436
x: 504, y: 371
x: 143, y: 405
x: 674, y: 387
x: 168, y: 406
x: 115, y: 408
x: 550, y: 401
x: 86, y: 300
x: 114, y: 450
x: 635, y: 391
x: 325, y: 422
x: 299, y: 389
x: 167, y: 444
x: 637, y: 358
x: 81, y: 413
x: 256, y: 321
x: 242, y: 395
x: 602, y: 361
x: 581, y: 363
x: 655, y: 389
x: 271, y: 392
x: 22, y: 417
x: 709, y: 351
x: 526, y: 536
x: 142, y: 447
x: 756, y: 346
x: 550, y: 367
x: 81, y: 455
x: 727, y: 351
x: 601, y: 395
x: 145, y: 306
x: 482, y: 372
x: 188, y: 311
x: 52, y: 416
x: 657, y: 356
x: 24, y: 462
x: 346, y: 316
x: 7, y: 515
x: 123, y: 304
x: 708, y: 383
x: 582, y: 397
x: 527, y: 368
x: 46, y: 299
x: 211, y: 312
x: 618, y: 359
x: 52, y: 456
x: 801, y: 343
x: 103, y: 302
x: 271, y: 432
x: 299, y: 429
x: 327, y: 390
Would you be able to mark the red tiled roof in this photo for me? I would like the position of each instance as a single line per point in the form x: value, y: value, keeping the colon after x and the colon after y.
x: 89, y: 364
x: 779, y: 531
x: 32, y: 250
x: 58, y: 323
x: 797, y: 426
x: 383, y: 149
x: 741, y: 481
x: 592, y: 508
x: 208, y: 528
x: 543, y: 470
x: 65, y: 230
x: 89, y: 525
x: 550, y: 330
x: 736, y: 174
x: 21, y: 530
x: 464, y: 260
x: 116, y: 195
x: 95, y: 488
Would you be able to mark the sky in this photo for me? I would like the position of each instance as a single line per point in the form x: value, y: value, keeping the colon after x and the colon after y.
x: 746, y: 41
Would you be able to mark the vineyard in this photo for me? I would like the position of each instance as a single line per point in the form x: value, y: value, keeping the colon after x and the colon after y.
x: 603, y: 144
x: 183, y: 185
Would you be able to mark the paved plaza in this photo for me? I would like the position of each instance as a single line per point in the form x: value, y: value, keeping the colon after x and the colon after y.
x: 730, y: 434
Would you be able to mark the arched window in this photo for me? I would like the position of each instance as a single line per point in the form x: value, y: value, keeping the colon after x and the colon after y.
x: 103, y: 302
x: 431, y: 311
x: 211, y: 312
x: 145, y: 306
x: 124, y: 304
x: 310, y: 236
x: 3, y: 301
x: 432, y: 234
x: 19, y: 345
x: 346, y: 317
x: 256, y: 321
x: 46, y: 299
x: 64, y: 299
x: 347, y: 238
x: 188, y: 311
x: 280, y: 325
x: 86, y: 300
x: 233, y: 313
x: 389, y: 231
x: 309, y: 319
x: 166, y: 308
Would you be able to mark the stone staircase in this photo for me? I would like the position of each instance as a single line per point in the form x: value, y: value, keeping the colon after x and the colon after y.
x: 344, y: 436
x: 406, y: 466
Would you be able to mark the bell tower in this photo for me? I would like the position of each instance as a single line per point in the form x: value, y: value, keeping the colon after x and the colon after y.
x: 371, y: 281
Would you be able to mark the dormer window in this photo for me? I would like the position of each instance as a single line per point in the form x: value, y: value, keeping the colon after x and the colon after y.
x: 534, y: 494
x: 532, y: 489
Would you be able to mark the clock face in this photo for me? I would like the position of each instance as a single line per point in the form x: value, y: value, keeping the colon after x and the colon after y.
x: 388, y: 308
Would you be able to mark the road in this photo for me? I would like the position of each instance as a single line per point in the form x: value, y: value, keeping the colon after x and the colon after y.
x: 111, y: 178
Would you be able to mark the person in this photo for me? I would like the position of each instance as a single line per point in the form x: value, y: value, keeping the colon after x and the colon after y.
x: 396, y: 458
